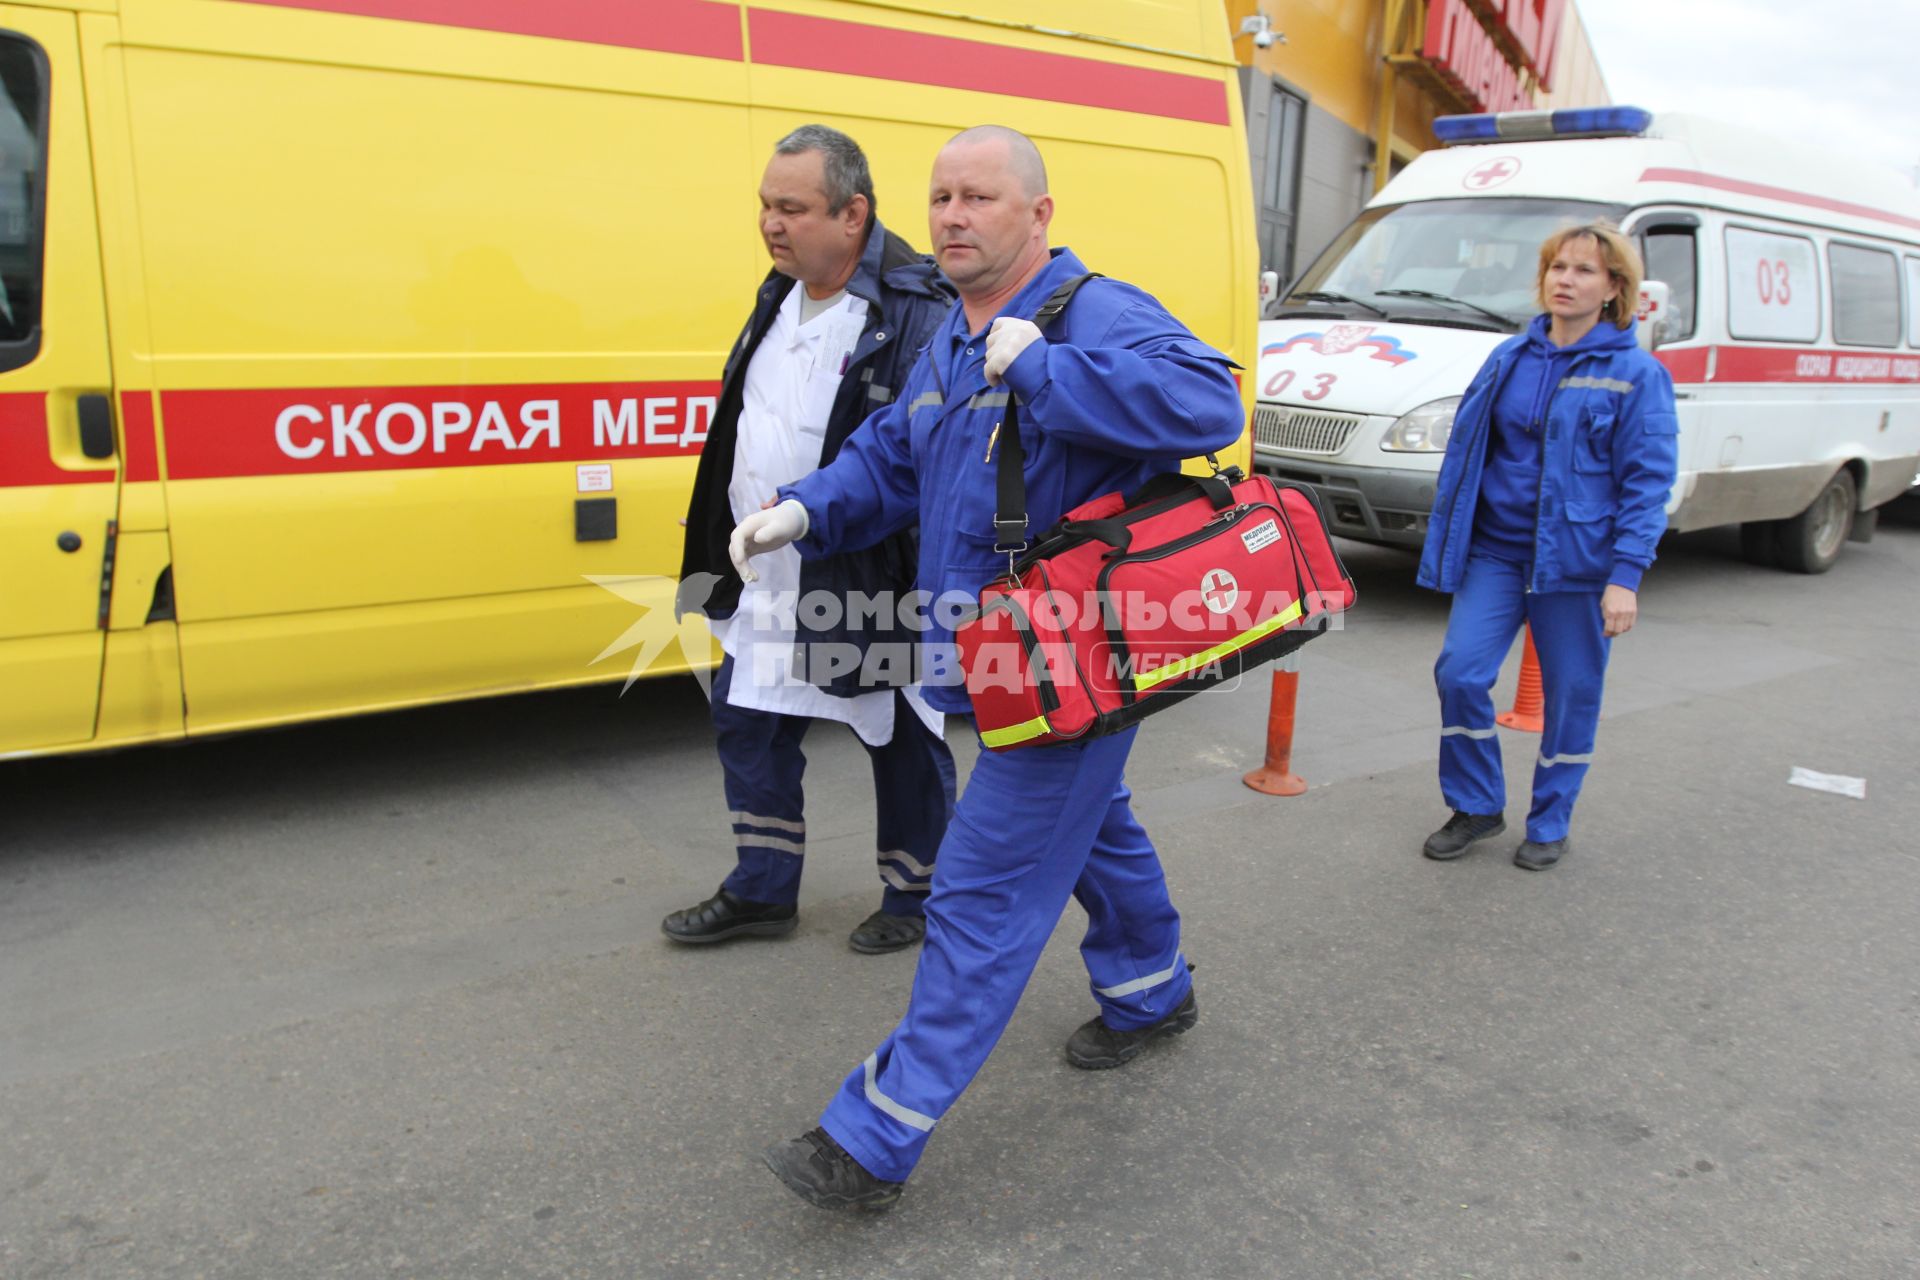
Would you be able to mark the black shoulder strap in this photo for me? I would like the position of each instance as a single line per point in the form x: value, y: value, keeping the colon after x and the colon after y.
x: 1010, y: 481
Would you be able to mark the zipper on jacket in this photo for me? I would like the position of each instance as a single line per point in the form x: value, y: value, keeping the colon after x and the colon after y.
x: 1540, y: 488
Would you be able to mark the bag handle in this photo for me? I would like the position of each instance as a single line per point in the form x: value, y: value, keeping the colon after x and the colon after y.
x: 1217, y: 487
x: 1010, y: 481
x: 1069, y: 534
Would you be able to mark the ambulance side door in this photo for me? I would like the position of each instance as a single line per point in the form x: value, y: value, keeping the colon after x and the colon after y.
x: 59, y: 478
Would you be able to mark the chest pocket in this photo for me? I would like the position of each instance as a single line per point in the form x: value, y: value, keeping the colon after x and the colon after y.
x: 1593, y: 443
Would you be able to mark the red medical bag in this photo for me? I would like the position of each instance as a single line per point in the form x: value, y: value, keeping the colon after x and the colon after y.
x: 1134, y: 602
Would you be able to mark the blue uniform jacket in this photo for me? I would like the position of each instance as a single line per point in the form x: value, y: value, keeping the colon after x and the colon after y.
x: 907, y: 298
x: 1607, y: 465
x: 1116, y: 392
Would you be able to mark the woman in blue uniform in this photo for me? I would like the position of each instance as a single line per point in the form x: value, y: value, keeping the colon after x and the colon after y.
x: 1551, y: 499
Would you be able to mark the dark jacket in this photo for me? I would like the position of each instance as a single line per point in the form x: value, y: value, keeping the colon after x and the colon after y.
x: 1607, y: 466
x: 906, y: 299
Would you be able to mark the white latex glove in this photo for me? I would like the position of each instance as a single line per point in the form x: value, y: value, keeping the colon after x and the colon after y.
x: 1005, y: 341
x: 765, y: 531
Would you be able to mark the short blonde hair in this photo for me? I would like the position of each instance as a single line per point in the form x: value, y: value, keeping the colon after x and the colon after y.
x: 1619, y: 255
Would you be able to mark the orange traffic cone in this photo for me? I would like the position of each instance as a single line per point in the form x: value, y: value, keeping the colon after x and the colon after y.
x: 1529, y: 704
x: 1276, y: 777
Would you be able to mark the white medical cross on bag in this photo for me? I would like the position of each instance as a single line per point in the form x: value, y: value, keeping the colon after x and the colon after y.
x: 1219, y: 590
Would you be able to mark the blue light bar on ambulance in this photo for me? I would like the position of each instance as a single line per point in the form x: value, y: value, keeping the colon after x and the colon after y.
x: 1540, y: 126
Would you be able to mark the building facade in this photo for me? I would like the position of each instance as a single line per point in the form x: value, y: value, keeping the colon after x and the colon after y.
x: 1340, y: 94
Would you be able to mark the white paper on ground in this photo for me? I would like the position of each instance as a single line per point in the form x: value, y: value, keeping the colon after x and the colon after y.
x: 1838, y: 783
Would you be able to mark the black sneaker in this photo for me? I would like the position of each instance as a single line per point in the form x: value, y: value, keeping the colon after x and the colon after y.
x: 880, y: 933
x: 725, y: 916
x: 1096, y: 1046
x: 1538, y: 857
x: 1462, y: 829
x: 819, y: 1171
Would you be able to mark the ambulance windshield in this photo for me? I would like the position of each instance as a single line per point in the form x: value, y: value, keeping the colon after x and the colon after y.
x: 1469, y: 262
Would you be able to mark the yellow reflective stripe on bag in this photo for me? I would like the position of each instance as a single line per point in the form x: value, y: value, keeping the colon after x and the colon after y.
x: 1147, y: 679
x: 1016, y: 732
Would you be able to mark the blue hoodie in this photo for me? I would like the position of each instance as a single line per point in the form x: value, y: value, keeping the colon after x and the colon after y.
x: 1598, y: 476
x: 1503, y: 525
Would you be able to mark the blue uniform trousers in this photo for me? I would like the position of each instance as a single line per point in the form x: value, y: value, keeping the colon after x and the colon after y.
x: 913, y: 784
x: 1031, y: 828
x: 1569, y: 637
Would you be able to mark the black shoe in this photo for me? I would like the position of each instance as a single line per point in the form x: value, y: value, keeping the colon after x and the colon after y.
x: 1538, y: 857
x: 1462, y: 829
x: 819, y: 1171
x: 1096, y: 1046
x: 725, y: 916
x: 880, y: 933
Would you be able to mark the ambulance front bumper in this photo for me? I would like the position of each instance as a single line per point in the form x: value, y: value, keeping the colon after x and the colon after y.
x: 1372, y: 504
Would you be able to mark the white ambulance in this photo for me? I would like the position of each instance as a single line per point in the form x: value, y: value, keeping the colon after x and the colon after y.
x: 1791, y: 321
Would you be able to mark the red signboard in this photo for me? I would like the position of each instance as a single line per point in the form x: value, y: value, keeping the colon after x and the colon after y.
x: 1535, y: 27
x: 1462, y: 47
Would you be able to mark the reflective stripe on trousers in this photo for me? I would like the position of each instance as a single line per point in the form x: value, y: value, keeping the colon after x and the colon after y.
x: 913, y: 785
x: 1569, y: 636
x: 1032, y: 828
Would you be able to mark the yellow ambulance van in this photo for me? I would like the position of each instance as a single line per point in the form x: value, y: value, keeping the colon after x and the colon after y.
x: 346, y: 344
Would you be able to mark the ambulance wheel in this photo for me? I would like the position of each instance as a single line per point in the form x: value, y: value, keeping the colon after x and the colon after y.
x: 1811, y: 542
x: 1760, y: 543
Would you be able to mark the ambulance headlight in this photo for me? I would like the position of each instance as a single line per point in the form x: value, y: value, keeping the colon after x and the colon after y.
x: 1425, y: 430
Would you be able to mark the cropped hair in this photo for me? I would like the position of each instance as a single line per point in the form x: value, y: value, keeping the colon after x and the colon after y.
x: 1616, y: 251
x: 843, y: 164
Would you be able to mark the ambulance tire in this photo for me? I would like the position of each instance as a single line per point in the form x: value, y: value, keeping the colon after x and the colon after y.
x: 1811, y: 542
x: 1760, y: 543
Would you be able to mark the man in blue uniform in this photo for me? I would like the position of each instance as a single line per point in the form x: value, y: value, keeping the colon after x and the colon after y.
x: 837, y: 324
x: 1115, y: 392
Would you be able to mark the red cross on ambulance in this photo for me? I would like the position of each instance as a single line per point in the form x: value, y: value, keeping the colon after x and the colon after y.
x: 1491, y: 174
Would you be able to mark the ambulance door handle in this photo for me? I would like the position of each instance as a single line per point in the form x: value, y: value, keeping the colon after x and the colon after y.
x: 96, y: 425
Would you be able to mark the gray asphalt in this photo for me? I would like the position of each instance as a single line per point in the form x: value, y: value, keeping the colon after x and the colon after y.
x: 387, y: 997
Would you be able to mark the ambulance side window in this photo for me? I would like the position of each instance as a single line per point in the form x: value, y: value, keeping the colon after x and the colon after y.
x: 1669, y: 252
x: 1913, y: 302
x: 1773, y: 286
x: 1866, y: 296
x: 23, y: 196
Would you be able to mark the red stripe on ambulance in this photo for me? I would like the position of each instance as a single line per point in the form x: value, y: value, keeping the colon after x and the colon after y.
x: 705, y: 29
x: 139, y: 451
x: 25, y: 456
x: 1717, y: 364
x: 1694, y: 178
x: 213, y: 434
x: 855, y: 49
x: 700, y: 28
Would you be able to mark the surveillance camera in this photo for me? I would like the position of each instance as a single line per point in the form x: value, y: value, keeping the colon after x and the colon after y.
x: 1265, y: 39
